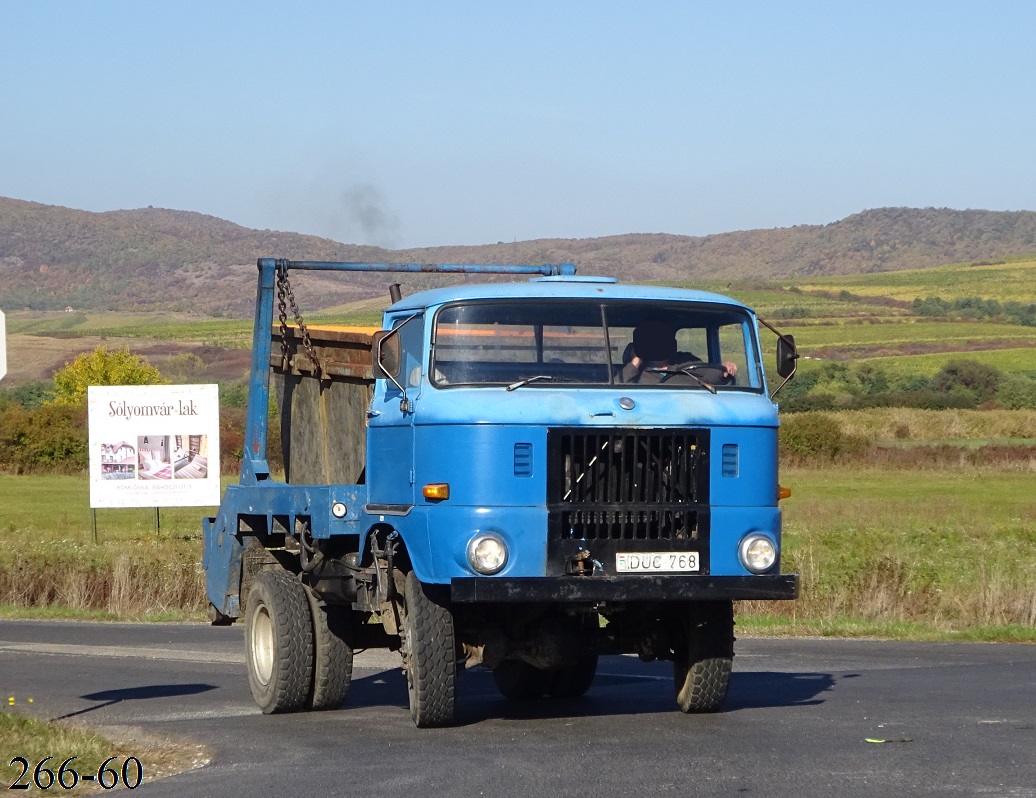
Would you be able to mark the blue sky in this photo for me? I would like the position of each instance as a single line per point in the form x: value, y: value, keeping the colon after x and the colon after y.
x: 417, y: 124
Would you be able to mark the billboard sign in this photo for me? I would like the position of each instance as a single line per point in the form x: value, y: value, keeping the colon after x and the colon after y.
x: 154, y: 445
x: 3, y: 346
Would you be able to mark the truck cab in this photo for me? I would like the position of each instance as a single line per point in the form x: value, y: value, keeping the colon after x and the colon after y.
x: 551, y: 470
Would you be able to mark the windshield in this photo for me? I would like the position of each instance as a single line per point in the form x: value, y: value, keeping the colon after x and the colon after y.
x: 537, y: 343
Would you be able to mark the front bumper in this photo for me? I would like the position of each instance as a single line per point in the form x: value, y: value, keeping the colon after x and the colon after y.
x: 593, y: 589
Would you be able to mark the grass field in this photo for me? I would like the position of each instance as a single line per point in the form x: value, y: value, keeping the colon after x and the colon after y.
x: 1011, y: 281
x: 1020, y: 360
x: 900, y: 424
x: 776, y: 303
x: 942, y: 551
x: 868, y: 317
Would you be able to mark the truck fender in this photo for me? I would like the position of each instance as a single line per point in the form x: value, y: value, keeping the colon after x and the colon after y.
x: 412, y: 552
x: 222, y: 564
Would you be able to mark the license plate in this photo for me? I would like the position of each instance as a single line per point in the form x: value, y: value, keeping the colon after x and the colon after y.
x: 656, y: 562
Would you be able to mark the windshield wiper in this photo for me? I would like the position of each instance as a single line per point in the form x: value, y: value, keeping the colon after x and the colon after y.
x: 551, y: 377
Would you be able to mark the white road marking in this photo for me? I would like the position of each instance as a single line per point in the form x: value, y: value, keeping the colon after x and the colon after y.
x: 179, y: 655
x: 368, y: 660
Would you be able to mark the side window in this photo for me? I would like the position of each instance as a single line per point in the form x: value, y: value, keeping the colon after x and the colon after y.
x: 411, y: 345
x: 731, y: 340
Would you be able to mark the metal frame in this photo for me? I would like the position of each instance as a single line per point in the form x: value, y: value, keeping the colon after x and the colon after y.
x: 254, y: 465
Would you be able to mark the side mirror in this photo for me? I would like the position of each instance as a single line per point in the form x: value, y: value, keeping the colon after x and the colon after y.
x: 787, y: 354
x: 386, y: 361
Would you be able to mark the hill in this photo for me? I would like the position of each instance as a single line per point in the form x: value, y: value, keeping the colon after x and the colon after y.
x: 181, y: 261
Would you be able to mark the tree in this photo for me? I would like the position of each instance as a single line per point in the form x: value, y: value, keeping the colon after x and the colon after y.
x: 101, y: 367
x: 978, y: 381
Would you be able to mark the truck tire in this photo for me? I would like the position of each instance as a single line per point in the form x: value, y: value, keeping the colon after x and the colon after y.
x: 520, y: 681
x: 704, y: 653
x: 431, y: 662
x: 575, y: 680
x: 332, y: 654
x: 279, y: 642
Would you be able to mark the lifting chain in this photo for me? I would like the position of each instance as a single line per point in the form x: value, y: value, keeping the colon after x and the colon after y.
x: 284, y: 290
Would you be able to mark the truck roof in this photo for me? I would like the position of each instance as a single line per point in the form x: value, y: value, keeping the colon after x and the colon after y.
x: 559, y: 288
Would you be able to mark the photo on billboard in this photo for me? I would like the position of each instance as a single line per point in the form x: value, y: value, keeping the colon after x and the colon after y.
x: 154, y: 445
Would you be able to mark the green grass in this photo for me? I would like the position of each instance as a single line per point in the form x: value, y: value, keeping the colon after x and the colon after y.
x: 115, y: 324
x: 1010, y: 361
x: 814, y: 336
x: 54, y: 507
x: 25, y: 736
x: 749, y: 625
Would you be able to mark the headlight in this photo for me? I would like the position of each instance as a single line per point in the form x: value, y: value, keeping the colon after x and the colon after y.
x: 758, y: 553
x: 487, y: 553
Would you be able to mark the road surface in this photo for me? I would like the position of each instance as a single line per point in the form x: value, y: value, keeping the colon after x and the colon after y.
x: 796, y: 723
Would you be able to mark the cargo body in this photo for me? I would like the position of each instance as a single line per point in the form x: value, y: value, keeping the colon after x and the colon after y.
x: 497, y: 478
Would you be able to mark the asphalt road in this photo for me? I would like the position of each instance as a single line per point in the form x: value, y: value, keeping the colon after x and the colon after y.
x: 796, y: 722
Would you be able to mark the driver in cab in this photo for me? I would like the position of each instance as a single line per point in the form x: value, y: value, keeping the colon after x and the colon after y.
x: 653, y: 357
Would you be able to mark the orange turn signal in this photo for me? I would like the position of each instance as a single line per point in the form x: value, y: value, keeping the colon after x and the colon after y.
x: 783, y: 492
x: 437, y: 490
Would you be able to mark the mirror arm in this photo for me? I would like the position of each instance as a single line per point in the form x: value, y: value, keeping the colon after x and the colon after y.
x: 788, y: 342
x: 405, y: 406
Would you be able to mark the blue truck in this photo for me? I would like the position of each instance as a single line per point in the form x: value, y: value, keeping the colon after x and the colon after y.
x: 520, y: 475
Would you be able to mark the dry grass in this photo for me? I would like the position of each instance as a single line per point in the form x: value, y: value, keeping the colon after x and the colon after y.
x: 948, y: 549
x: 926, y: 426
x: 142, y: 579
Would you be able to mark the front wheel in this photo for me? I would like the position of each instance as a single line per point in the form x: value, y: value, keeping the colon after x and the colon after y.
x: 704, y: 653
x: 430, y: 655
x: 332, y: 654
x: 279, y: 642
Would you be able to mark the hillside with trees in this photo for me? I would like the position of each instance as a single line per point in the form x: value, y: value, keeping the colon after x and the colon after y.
x: 157, y: 259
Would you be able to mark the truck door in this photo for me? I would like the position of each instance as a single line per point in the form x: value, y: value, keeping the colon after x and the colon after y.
x: 390, y: 433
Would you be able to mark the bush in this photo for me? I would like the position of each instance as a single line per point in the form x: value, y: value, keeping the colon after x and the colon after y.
x: 816, y: 436
x: 968, y: 378
x: 233, y: 394
x: 232, y: 441
x: 29, y: 394
x: 1017, y: 393
x: 52, y: 438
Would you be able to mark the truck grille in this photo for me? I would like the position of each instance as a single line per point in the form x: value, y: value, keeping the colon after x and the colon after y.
x: 626, y: 485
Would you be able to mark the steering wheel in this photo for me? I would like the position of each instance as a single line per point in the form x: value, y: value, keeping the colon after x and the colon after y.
x: 712, y: 373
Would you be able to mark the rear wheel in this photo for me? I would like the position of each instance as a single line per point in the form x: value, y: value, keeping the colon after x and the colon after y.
x: 520, y: 681
x: 332, y: 654
x: 704, y: 653
x: 431, y: 655
x: 575, y: 680
x: 279, y: 642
